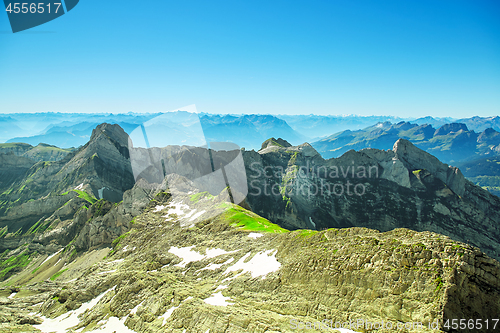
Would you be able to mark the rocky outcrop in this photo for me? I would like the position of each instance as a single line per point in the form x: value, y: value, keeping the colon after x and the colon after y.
x: 101, y: 168
x: 384, y: 190
x: 417, y: 159
x: 240, y: 273
x: 273, y: 142
x: 12, y: 167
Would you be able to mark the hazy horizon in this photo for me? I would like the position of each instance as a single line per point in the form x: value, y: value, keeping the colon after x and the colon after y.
x: 244, y: 114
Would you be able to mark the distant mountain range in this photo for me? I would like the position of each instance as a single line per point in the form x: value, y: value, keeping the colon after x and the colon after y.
x: 451, y: 143
x: 454, y: 141
x: 74, y: 130
x: 67, y: 130
x: 476, y: 153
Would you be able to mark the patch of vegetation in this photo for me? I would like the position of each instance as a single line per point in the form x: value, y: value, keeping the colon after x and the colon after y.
x: 4, y: 231
x: 39, y: 227
x: 198, y: 196
x: 55, y: 276
x: 99, y: 208
x: 416, y: 172
x: 84, y: 195
x: 293, y: 159
x: 439, y: 284
x: 239, y: 217
x: 306, y: 232
x: 14, y: 264
x: 119, y: 238
x: 4, y: 253
x: 116, y: 241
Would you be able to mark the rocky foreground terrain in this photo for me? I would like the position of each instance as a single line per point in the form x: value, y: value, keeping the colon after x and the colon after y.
x: 175, y: 271
x: 88, y: 252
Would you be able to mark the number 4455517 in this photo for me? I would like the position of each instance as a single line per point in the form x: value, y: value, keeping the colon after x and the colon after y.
x: 32, y: 8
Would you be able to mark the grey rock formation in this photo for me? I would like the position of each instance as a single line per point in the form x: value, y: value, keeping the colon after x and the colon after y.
x: 403, y: 187
x: 417, y: 159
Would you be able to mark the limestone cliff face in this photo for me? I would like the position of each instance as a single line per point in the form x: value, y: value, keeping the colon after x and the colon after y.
x: 101, y: 168
x: 414, y: 159
x: 12, y: 167
x: 384, y: 190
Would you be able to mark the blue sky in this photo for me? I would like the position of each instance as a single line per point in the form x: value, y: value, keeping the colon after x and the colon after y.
x: 405, y: 58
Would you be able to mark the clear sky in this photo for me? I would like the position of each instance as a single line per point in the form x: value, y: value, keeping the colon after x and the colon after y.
x: 408, y: 58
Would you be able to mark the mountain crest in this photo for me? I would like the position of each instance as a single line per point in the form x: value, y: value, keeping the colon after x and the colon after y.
x: 111, y: 131
x: 451, y: 128
x: 275, y: 142
x: 416, y: 159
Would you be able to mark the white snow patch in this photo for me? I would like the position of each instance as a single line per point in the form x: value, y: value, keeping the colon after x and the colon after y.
x: 107, y: 272
x: 218, y: 299
x: 50, y: 257
x: 188, y: 255
x: 114, y: 325
x: 167, y: 314
x: 176, y: 208
x: 261, y: 264
x: 69, y: 319
x: 255, y: 235
x: 79, y: 187
x: 12, y: 295
x: 213, y: 267
x: 125, y: 248
x: 159, y: 208
x: 188, y: 215
x: 116, y: 261
x: 222, y: 286
x: 195, y: 216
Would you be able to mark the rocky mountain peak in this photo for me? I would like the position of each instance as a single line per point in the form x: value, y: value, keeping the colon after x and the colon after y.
x: 275, y: 142
x: 308, y: 150
x: 451, y: 128
x: 111, y: 131
x: 416, y: 159
x: 488, y: 134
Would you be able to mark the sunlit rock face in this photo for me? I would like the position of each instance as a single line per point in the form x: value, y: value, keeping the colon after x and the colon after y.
x: 403, y: 187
